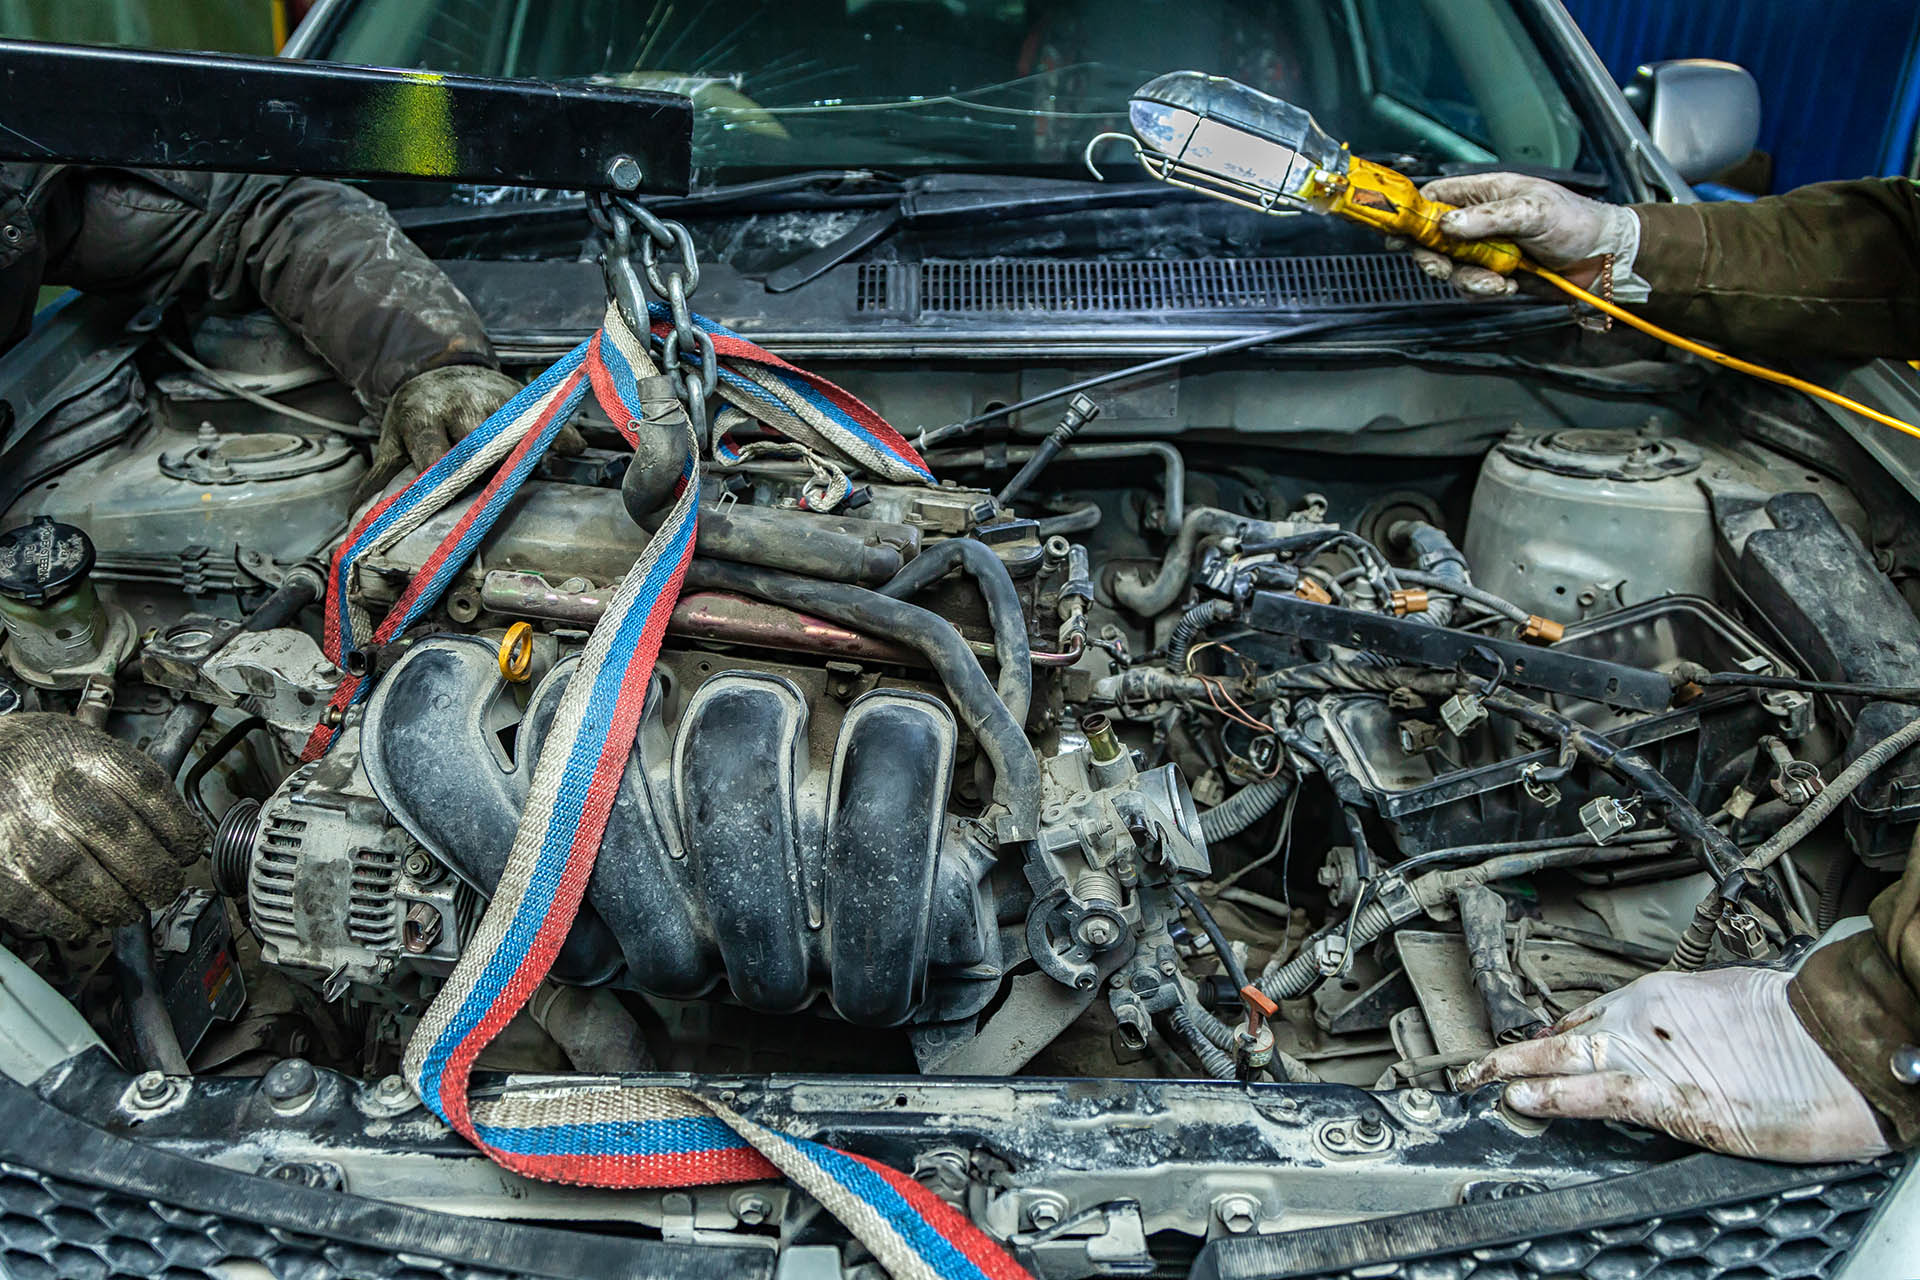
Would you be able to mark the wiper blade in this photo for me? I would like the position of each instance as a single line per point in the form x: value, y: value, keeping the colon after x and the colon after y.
x: 964, y: 200
x: 881, y: 184
x: 1283, y: 333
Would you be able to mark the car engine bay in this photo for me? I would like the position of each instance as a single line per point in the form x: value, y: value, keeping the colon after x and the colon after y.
x: 1129, y: 750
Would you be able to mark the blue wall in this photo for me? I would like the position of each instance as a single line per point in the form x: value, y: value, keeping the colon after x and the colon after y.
x: 1835, y: 75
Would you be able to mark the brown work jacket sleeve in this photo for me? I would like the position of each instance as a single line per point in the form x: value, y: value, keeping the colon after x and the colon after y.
x: 1857, y: 998
x: 325, y: 258
x: 1828, y: 270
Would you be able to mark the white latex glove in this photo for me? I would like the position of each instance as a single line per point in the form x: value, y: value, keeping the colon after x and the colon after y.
x: 1553, y: 226
x: 1717, y: 1059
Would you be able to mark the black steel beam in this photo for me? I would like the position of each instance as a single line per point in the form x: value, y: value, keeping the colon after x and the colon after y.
x: 1527, y: 665
x: 150, y: 110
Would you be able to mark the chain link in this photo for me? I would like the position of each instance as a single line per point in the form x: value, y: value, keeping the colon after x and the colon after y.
x: 669, y: 268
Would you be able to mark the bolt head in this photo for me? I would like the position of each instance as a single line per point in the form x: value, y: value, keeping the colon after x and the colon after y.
x: 624, y: 173
x: 392, y: 1089
x: 1098, y: 931
x: 1239, y: 1214
x: 1045, y: 1213
x: 752, y: 1208
x: 293, y: 1080
x: 151, y: 1088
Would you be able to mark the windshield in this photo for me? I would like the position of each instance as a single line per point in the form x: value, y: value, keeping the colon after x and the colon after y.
x: 1002, y: 85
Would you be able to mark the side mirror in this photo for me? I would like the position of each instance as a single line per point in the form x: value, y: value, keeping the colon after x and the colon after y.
x: 1702, y: 114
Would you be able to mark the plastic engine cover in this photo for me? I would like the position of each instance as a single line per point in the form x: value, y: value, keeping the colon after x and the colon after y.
x: 735, y: 851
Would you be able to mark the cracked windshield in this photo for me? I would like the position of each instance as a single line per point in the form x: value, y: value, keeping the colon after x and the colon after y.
x: 1008, y: 87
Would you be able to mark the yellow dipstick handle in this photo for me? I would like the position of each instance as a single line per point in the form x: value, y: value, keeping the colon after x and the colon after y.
x: 1389, y: 202
x: 1747, y: 367
x: 516, y: 652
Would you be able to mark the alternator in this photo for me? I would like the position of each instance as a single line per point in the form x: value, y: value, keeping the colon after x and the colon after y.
x: 333, y: 884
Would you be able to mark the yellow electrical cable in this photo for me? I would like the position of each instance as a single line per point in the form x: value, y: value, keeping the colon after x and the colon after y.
x: 1747, y: 367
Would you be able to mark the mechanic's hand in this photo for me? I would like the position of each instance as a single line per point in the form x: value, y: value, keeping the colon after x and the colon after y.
x: 1553, y: 227
x: 1717, y: 1059
x: 433, y: 411
x: 92, y: 832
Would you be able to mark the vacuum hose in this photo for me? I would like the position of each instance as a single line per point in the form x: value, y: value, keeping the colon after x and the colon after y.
x: 1003, y: 609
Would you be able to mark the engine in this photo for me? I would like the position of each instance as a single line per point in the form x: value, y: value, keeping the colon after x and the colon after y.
x: 1159, y: 759
x: 830, y: 830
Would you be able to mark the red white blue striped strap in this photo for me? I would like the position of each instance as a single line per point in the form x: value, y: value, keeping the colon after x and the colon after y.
x: 609, y: 1136
x: 824, y: 422
x: 800, y: 405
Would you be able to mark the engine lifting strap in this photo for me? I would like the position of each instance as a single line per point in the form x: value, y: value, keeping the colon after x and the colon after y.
x: 614, y: 1135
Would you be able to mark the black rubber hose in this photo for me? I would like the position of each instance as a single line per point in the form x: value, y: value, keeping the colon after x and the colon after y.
x: 1483, y: 924
x: 1715, y: 849
x: 212, y: 756
x: 1079, y: 520
x: 1016, y: 770
x: 1236, y: 972
x: 177, y: 733
x: 1192, y: 625
x: 1357, y: 832
x: 1079, y: 413
x: 1173, y: 479
x: 155, y: 1042
x: 1434, y: 556
x: 1244, y: 808
x: 989, y: 573
x: 1151, y: 596
x: 300, y: 587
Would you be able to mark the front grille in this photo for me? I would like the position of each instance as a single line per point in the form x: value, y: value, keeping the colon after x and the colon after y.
x: 54, y: 1229
x: 1331, y: 282
x: 1794, y: 1231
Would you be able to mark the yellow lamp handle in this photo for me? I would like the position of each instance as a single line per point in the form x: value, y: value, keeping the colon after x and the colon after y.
x: 1378, y: 197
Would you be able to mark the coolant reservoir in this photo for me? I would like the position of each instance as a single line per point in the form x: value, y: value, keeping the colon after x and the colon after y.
x: 1569, y: 524
x: 58, y: 631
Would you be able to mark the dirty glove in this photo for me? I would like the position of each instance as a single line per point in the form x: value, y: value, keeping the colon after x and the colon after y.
x: 433, y: 411
x: 1717, y: 1059
x: 1553, y: 227
x: 92, y: 832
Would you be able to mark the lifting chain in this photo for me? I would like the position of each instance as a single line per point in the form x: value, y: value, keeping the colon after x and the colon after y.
x: 668, y: 268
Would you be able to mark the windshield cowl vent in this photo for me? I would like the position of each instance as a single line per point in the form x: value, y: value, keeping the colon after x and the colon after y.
x: 1330, y: 282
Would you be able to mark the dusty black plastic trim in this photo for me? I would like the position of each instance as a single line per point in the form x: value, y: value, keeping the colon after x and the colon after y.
x: 1696, y: 1182
x: 36, y: 1135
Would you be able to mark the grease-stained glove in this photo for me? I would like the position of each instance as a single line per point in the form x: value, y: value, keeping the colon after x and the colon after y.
x: 1551, y: 225
x: 433, y: 411
x: 92, y: 832
x: 1717, y: 1059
